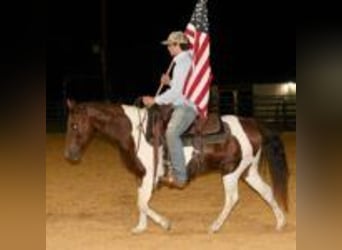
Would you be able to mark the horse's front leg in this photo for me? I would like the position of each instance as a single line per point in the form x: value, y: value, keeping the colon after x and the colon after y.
x: 143, y: 162
x: 144, y: 196
x: 142, y: 199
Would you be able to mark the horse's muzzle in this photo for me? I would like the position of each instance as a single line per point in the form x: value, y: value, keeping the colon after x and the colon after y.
x: 72, y: 156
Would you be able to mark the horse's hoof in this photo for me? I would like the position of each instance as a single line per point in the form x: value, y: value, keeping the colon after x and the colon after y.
x: 214, y: 228
x: 167, y: 225
x: 138, y: 230
x: 281, y: 223
x: 280, y: 226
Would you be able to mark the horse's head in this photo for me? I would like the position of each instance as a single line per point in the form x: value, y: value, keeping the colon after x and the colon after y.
x: 79, y: 131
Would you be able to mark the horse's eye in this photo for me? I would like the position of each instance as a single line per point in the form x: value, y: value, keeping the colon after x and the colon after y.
x: 74, y: 126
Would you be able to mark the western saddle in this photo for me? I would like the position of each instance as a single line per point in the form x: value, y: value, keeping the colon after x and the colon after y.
x: 201, y: 132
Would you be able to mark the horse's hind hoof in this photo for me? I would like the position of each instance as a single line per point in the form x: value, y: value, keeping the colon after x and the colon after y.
x: 167, y: 225
x: 280, y: 226
x: 281, y: 223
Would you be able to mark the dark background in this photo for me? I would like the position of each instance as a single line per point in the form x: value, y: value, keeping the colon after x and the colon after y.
x: 250, y: 43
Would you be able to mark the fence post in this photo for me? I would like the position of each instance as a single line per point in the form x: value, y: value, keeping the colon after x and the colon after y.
x: 235, y: 102
x: 65, y: 96
x: 285, y: 125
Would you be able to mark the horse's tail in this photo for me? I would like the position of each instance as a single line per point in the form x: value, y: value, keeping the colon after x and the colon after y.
x: 275, y: 154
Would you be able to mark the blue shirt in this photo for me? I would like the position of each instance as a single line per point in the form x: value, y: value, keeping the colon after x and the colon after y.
x: 174, y: 95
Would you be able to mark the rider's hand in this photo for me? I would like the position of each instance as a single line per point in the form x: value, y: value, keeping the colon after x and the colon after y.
x: 165, y: 79
x: 148, y: 100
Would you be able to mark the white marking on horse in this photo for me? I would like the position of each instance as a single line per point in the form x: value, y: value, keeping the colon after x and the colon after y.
x: 230, y: 181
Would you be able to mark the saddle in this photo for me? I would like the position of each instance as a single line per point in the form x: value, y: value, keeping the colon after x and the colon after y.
x: 201, y: 131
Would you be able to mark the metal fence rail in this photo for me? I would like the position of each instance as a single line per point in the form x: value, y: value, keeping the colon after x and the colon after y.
x: 276, y: 111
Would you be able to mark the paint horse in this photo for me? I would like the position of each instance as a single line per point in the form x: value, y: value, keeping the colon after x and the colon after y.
x: 237, y: 156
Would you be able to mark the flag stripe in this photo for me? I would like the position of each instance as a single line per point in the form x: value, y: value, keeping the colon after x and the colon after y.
x: 187, y: 80
x: 190, y: 31
x: 203, y: 62
x: 203, y: 47
x: 204, y: 97
x: 198, y: 78
x: 201, y: 82
x: 204, y: 92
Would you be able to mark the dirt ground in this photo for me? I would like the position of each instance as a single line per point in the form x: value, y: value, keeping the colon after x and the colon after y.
x: 92, y: 206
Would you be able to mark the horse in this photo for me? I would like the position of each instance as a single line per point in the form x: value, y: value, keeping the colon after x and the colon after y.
x: 238, y: 156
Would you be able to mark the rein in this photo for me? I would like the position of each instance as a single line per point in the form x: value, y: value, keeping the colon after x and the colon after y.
x: 140, y: 126
x: 141, y: 131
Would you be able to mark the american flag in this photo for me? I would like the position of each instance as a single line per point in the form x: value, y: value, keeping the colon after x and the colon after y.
x: 197, y: 85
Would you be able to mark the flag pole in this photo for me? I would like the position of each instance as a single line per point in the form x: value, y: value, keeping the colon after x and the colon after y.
x: 167, y: 73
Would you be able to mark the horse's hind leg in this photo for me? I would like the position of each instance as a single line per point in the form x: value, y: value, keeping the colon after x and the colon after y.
x: 254, y: 179
x: 230, y: 182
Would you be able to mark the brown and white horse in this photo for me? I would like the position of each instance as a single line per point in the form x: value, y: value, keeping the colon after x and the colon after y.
x: 237, y: 156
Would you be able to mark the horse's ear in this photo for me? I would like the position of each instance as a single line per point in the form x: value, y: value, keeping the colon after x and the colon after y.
x: 70, y: 103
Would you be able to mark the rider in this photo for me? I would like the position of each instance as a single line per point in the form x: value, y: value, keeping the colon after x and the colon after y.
x: 184, y: 112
